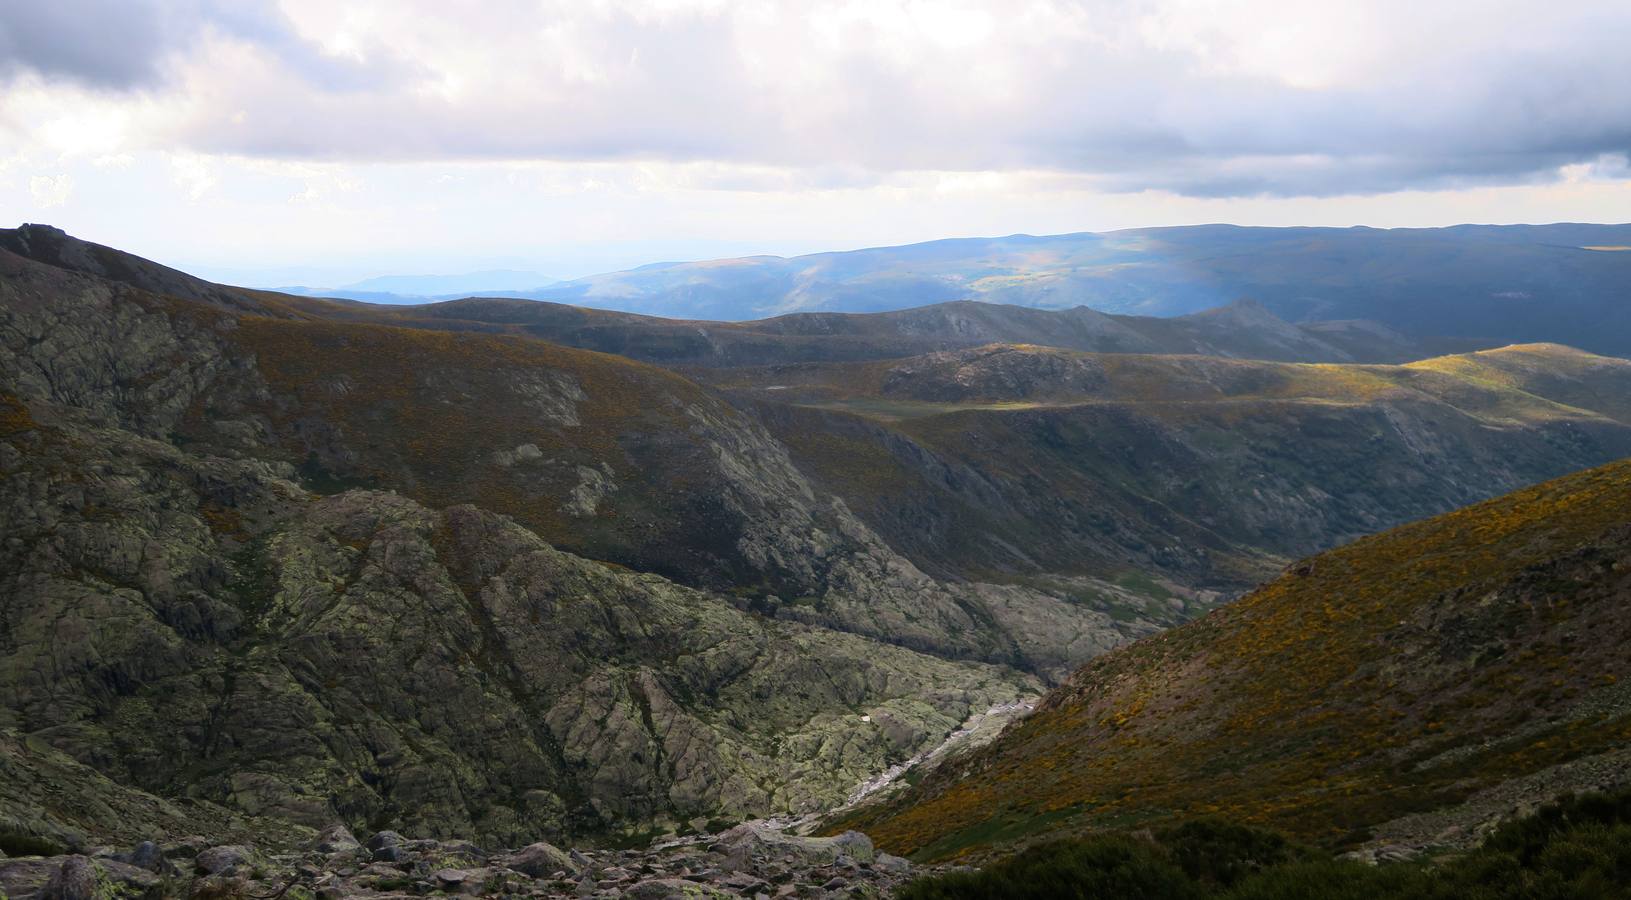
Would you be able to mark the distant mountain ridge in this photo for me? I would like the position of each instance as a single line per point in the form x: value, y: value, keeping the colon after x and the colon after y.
x: 407, y: 289
x: 1496, y: 283
x: 1481, y: 284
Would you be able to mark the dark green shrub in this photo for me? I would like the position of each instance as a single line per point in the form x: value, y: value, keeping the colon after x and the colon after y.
x: 1578, y: 848
x: 1110, y: 866
x: 15, y: 842
x: 1220, y: 854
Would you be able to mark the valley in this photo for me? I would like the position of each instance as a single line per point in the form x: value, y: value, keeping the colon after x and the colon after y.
x: 504, y: 571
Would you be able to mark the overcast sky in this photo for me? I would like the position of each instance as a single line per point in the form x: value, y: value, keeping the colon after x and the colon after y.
x: 320, y: 141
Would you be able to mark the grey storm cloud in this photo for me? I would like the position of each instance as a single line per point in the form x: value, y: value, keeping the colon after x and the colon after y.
x: 1474, y: 106
x: 123, y: 45
x: 97, y: 44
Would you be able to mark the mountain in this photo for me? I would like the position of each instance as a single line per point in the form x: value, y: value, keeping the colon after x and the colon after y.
x: 1032, y: 464
x: 1406, y: 688
x: 1494, y: 284
x: 223, y: 580
x: 294, y: 561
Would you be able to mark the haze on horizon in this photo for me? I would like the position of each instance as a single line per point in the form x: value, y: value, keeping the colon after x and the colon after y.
x: 322, y: 143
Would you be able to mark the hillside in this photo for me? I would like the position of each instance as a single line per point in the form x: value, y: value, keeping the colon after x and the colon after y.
x: 1409, y: 686
x: 1028, y: 463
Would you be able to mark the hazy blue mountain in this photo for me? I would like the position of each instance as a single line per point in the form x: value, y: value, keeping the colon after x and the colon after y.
x: 399, y: 289
x: 1564, y: 283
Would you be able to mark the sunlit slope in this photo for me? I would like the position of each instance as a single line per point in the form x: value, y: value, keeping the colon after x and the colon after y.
x: 1401, y: 673
x: 1008, y: 462
x: 1511, y: 383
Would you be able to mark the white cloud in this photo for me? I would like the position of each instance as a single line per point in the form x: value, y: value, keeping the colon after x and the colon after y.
x: 399, y: 125
x: 1196, y: 96
x: 194, y: 174
x: 50, y: 190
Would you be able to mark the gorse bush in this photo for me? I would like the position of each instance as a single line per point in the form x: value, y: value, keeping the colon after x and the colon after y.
x: 1576, y: 849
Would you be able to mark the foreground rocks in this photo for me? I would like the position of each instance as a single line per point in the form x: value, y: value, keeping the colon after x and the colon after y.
x: 751, y: 860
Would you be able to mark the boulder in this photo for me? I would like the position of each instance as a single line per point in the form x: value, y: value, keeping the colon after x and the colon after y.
x: 540, y: 860
x: 893, y: 865
x: 222, y: 860
x: 336, y: 839
x: 186, y: 848
x: 147, y: 855
x: 673, y: 889
x: 75, y: 879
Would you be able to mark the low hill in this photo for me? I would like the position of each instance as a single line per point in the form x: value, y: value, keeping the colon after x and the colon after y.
x: 1242, y: 329
x: 1409, y: 686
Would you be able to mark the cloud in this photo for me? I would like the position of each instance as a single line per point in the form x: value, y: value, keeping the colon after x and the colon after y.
x: 1263, y: 97
x: 96, y: 44
x: 50, y: 190
x: 125, y: 45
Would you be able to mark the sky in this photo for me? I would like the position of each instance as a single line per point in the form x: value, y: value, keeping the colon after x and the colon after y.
x: 321, y: 142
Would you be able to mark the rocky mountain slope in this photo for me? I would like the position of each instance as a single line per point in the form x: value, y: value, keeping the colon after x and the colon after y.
x: 203, y: 627
x: 241, y: 567
x: 1026, y: 463
x: 1409, y: 687
x: 603, y: 456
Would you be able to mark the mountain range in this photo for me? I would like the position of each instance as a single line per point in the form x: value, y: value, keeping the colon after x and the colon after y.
x: 1481, y: 284
x: 1563, y: 283
x: 512, y: 570
x: 422, y: 288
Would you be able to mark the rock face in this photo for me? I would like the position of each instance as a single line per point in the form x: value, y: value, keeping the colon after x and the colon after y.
x: 360, y: 656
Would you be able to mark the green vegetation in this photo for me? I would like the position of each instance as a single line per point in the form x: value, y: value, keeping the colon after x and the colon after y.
x: 16, y: 842
x: 1578, y: 848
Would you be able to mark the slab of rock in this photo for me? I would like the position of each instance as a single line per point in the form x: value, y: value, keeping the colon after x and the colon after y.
x: 449, y: 879
x: 673, y: 889
x: 759, y: 840
x: 70, y: 877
